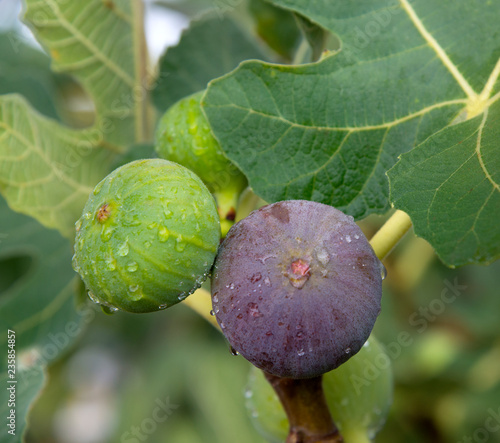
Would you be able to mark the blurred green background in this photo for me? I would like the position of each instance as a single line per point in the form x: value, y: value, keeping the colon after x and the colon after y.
x: 109, y: 386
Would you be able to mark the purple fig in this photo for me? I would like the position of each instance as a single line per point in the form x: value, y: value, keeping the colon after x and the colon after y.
x: 296, y: 288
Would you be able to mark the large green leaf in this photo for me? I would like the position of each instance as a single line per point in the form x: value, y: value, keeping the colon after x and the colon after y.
x: 46, y: 169
x: 450, y: 187
x: 329, y: 131
x: 25, y: 70
x: 37, y: 302
x: 95, y: 42
x: 211, y: 47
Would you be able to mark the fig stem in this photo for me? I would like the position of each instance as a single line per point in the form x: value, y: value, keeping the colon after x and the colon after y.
x: 390, y: 234
x: 306, y: 408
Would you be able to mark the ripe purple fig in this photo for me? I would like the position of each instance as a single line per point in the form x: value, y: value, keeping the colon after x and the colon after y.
x: 296, y: 288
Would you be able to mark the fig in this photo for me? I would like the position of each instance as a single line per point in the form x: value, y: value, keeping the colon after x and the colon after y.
x: 183, y: 136
x: 147, y: 237
x: 358, y: 394
x: 296, y: 288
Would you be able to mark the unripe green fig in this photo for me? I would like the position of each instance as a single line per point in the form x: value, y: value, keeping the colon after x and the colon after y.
x: 183, y: 136
x: 296, y: 288
x: 358, y: 394
x: 147, y: 237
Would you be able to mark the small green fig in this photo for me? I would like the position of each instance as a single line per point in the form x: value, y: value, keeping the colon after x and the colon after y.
x: 296, y: 288
x: 358, y: 394
x: 147, y: 237
x: 183, y: 136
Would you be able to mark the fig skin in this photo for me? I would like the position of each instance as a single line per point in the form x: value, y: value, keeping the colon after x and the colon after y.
x: 147, y: 237
x: 183, y: 135
x: 296, y: 288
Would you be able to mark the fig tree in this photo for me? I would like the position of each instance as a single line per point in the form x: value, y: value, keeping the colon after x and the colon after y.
x: 147, y: 237
x: 296, y: 288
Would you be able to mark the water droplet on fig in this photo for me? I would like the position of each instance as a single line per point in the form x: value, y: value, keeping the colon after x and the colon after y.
x: 300, y: 335
x: 163, y: 234
x: 98, y: 188
x: 163, y: 306
x: 110, y: 263
x: 267, y: 282
x: 106, y: 233
x: 93, y: 297
x: 301, y: 353
x: 123, y: 249
x: 147, y: 244
x: 180, y: 245
x: 322, y: 256
x: 233, y: 351
x: 167, y: 212
x: 152, y: 225
x: 248, y: 393
x: 216, y: 300
x: 348, y: 350
x: 133, y: 288
x: 78, y: 224
x: 212, y: 313
x: 132, y: 266
x: 383, y: 271
x: 348, y: 238
x: 74, y: 264
x: 356, y: 236
x: 87, y: 216
x: 108, y: 309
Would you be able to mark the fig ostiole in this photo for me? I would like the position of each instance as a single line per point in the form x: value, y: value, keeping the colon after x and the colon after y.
x: 147, y: 238
x: 296, y: 288
x: 183, y: 135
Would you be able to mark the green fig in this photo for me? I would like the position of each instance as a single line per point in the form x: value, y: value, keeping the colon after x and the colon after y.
x: 147, y: 237
x: 183, y: 136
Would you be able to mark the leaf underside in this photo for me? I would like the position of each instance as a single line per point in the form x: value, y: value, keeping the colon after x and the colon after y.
x: 329, y: 131
x: 46, y: 169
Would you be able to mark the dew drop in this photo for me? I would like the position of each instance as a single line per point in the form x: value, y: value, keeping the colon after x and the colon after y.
x: 132, y: 266
x: 74, y: 264
x: 248, y: 393
x: 87, y: 216
x: 110, y: 263
x: 133, y: 288
x: 267, y: 282
x: 182, y: 296
x: 152, y: 225
x: 212, y: 313
x: 109, y: 310
x: 222, y: 326
x: 106, y: 233
x: 163, y: 234
x: 301, y: 353
x: 356, y: 236
x: 163, y: 306
x: 123, y: 249
x: 300, y: 335
x: 347, y: 350
x: 234, y: 352
x: 348, y: 238
x: 383, y: 271
x: 78, y: 224
x: 147, y: 244
x: 93, y: 297
x: 323, y: 256
x: 167, y: 212
x: 216, y: 300
x: 98, y: 188
x: 180, y: 245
